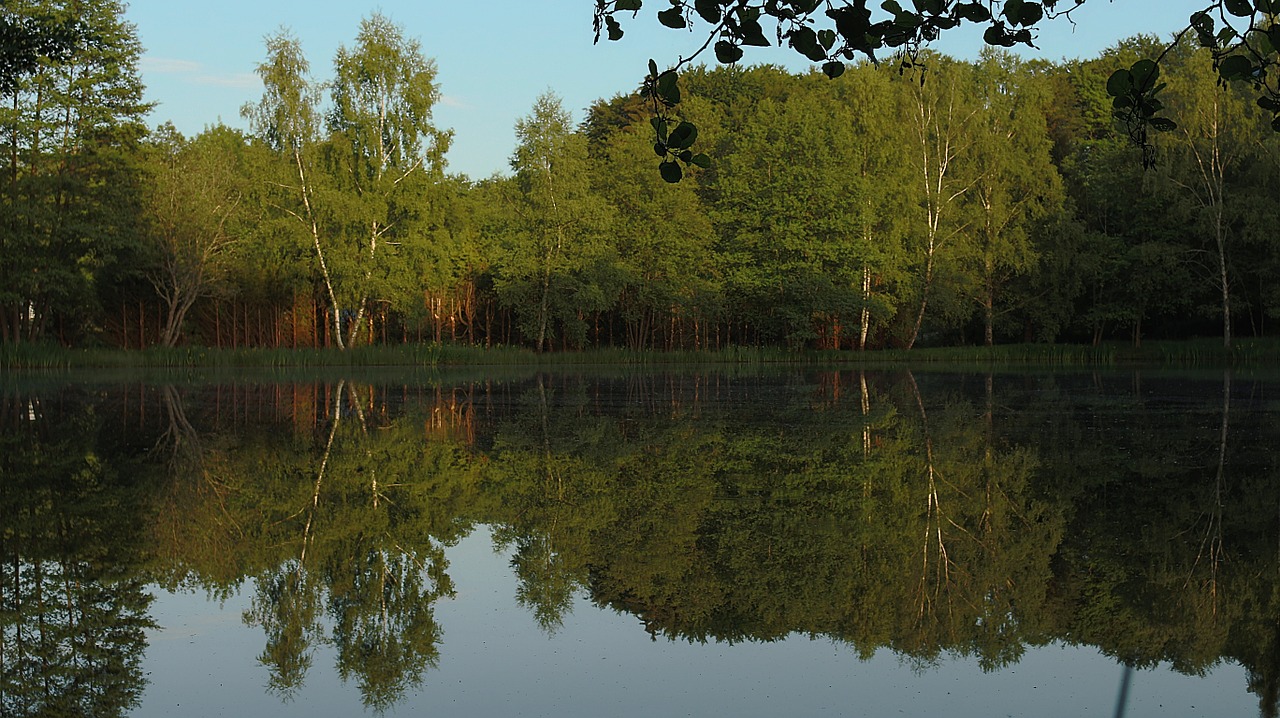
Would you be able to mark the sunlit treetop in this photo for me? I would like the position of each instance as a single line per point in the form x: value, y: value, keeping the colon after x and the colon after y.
x: 28, y: 39
x: 1243, y: 36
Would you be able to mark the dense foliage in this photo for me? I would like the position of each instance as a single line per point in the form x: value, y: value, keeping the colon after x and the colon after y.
x: 957, y: 202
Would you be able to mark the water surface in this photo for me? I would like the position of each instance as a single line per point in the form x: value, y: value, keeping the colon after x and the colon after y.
x: 675, y: 543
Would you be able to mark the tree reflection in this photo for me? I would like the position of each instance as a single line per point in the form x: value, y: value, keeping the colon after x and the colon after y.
x: 927, y: 514
x: 73, y: 612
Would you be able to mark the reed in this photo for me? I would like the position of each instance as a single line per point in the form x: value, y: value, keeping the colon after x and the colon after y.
x: 1208, y: 352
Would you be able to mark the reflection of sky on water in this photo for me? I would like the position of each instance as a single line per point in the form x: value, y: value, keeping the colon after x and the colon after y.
x: 495, y: 661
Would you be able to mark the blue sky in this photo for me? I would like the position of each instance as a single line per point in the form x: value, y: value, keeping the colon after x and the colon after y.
x: 494, y: 58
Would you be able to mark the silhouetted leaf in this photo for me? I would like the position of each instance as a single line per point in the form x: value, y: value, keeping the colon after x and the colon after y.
x: 1235, y: 67
x: 683, y: 136
x: 670, y: 171
x: 615, y: 30
x: 1120, y: 83
x: 805, y: 41
x: 708, y: 10
x: 727, y: 52
x: 1239, y: 8
x: 672, y: 18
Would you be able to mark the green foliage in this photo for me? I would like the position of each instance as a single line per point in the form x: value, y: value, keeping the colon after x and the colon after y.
x: 557, y: 266
x: 69, y: 181
x: 834, y: 34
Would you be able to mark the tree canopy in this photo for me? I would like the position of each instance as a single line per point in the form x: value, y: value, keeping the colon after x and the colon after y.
x: 1242, y: 35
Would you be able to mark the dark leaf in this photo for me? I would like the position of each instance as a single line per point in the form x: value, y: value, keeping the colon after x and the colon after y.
x: 701, y: 160
x: 1012, y: 10
x: 1120, y: 83
x: 1239, y: 8
x: 973, y: 12
x: 1270, y: 104
x: 727, y: 52
x: 1144, y: 74
x: 659, y: 149
x: 852, y: 23
x: 670, y: 171
x: 669, y: 88
x: 615, y: 30
x: 998, y: 36
x: 805, y: 41
x: 752, y: 34
x: 683, y: 136
x: 1031, y: 14
x: 1235, y: 67
x: 827, y: 37
x: 708, y: 10
x: 1163, y: 124
x: 833, y: 69
x: 627, y: 5
x: 672, y: 18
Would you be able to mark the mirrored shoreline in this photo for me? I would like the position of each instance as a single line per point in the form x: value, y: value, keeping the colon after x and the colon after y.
x: 950, y: 524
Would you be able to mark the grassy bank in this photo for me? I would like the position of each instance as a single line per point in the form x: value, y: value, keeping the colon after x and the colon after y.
x: 1184, y: 353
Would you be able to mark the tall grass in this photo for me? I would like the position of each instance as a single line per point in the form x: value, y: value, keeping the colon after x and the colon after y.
x: 1207, y: 352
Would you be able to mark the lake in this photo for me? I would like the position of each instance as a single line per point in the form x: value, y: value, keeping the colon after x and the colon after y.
x: 746, y: 542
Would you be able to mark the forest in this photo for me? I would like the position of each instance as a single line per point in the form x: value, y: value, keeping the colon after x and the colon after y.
x: 954, y: 203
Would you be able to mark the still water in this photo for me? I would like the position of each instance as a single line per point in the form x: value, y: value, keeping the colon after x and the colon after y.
x: 676, y: 543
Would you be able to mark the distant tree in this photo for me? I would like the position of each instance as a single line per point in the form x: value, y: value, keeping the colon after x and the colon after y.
x: 31, y: 36
x: 386, y: 159
x: 192, y: 210
x: 555, y: 256
x: 68, y: 183
x: 1217, y: 138
x: 1242, y: 35
x: 1017, y: 186
x: 363, y: 190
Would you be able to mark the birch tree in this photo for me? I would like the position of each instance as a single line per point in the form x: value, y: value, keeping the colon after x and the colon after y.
x: 555, y: 260
x: 943, y: 120
x: 386, y: 159
x: 287, y: 118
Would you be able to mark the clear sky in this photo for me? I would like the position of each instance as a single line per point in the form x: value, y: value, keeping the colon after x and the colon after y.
x: 495, y: 57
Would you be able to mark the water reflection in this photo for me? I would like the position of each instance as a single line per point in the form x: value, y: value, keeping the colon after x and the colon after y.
x: 931, y: 514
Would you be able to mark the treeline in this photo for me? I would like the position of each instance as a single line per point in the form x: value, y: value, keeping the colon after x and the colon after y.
x: 951, y: 203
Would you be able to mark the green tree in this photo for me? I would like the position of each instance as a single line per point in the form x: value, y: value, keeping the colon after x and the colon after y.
x: 194, y: 211
x: 1017, y: 187
x: 387, y: 160
x: 1218, y: 135
x: 69, y: 198
x: 945, y: 122
x: 663, y: 239
x: 287, y: 119
x: 556, y: 265
x: 801, y: 205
